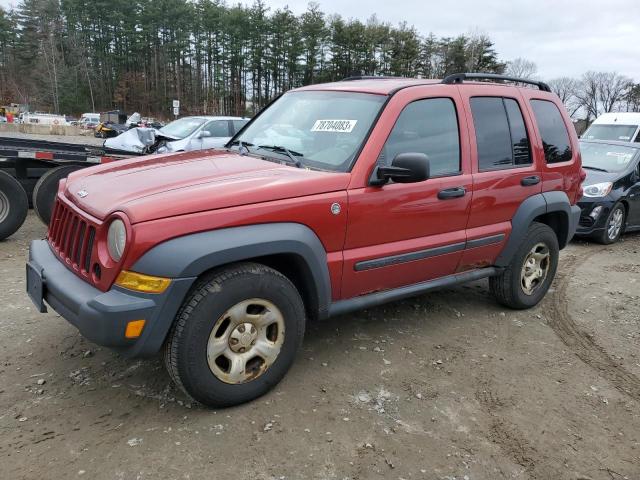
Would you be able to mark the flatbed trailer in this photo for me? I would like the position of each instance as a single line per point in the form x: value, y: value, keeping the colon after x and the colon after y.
x: 30, y: 171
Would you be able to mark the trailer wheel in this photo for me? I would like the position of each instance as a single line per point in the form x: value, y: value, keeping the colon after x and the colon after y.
x: 44, y: 193
x: 14, y: 205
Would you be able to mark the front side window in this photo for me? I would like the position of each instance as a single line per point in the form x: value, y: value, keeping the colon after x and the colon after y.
x: 501, y: 135
x: 217, y: 128
x: 427, y: 126
x: 320, y: 129
x: 555, y: 138
x: 238, y: 124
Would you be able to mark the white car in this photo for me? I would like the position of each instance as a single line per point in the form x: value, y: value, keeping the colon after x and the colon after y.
x: 183, y: 135
x: 621, y: 127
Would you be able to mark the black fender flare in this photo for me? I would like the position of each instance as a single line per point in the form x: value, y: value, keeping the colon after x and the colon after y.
x: 193, y: 254
x: 533, y: 207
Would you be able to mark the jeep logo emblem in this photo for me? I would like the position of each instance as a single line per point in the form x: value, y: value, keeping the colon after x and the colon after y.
x: 82, y: 193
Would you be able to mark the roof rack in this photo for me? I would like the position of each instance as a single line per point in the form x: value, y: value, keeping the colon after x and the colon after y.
x: 369, y: 77
x: 460, y: 77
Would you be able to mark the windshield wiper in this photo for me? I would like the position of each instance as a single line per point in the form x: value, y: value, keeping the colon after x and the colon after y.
x: 292, y: 154
x: 589, y: 167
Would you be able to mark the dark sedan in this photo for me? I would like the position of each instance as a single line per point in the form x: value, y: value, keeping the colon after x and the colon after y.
x: 611, y: 201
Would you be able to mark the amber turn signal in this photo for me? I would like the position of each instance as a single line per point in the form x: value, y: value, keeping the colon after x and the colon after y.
x: 134, y: 328
x: 142, y: 283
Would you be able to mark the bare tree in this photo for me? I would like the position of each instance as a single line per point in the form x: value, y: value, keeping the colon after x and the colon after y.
x: 521, y: 68
x: 567, y: 88
x: 602, y: 92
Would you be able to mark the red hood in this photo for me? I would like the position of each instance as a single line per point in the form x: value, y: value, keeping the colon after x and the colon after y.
x: 175, y: 184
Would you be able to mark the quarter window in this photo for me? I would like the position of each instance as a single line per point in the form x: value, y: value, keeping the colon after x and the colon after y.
x: 555, y: 138
x: 427, y: 126
x: 501, y: 135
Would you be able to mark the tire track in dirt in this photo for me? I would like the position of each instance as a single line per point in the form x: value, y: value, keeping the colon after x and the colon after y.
x: 580, y: 342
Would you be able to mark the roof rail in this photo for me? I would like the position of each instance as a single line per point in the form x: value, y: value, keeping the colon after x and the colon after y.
x: 460, y: 77
x: 369, y: 77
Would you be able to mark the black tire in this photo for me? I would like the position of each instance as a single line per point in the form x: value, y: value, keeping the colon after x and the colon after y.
x: 44, y: 193
x: 14, y: 205
x: 186, y: 354
x: 508, y: 287
x: 605, y: 236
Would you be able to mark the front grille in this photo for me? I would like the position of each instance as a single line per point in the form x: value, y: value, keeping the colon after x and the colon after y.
x: 72, y: 237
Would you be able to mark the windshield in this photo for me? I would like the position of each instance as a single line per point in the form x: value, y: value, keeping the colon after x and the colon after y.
x: 600, y: 156
x: 182, y: 128
x: 321, y: 129
x: 623, y: 133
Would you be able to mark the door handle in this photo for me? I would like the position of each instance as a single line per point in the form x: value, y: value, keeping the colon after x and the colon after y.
x: 528, y: 181
x: 455, y: 192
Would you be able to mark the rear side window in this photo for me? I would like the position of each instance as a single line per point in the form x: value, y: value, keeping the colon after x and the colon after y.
x: 427, y: 126
x: 555, y: 138
x: 638, y: 137
x: 501, y: 135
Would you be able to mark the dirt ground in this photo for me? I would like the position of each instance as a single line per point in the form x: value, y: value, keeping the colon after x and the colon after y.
x: 445, y: 386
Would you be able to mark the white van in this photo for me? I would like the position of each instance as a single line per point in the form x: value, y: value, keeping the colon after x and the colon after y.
x: 43, y: 119
x: 620, y: 127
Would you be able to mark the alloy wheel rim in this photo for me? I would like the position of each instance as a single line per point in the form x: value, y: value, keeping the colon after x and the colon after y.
x: 535, y: 268
x: 615, y: 224
x: 4, y: 206
x: 245, y: 341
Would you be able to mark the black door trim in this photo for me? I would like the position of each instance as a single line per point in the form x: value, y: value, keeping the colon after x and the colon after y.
x: 426, y: 253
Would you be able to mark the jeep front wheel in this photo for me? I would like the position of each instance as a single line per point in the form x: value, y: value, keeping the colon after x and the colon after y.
x: 236, y: 335
x: 525, y: 281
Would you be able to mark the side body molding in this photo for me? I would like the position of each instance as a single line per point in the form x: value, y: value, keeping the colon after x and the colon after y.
x: 191, y: 255
x: 532, y: 207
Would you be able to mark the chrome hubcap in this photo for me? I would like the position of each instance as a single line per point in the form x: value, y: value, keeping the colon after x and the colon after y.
x: 245, y: 341
x: 535, y: 268
x: 4, y: 207
x: 615, y: 224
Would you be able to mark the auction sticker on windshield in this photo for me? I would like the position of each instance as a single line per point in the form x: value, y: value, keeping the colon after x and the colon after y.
x: 340, y: 126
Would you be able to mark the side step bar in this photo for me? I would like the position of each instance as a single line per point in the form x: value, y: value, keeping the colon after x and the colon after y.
x: 378, y: 298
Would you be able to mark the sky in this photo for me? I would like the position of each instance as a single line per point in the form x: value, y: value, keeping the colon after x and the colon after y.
x: 563, y: 37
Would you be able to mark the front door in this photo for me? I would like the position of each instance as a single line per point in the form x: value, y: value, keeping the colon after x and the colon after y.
x: 400, y: 234
x: 218, y: 134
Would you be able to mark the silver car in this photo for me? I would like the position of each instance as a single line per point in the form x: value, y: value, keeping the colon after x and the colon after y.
x: 182, y: 135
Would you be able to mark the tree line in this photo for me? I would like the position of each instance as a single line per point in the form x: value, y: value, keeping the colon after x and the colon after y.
x: 72, y: 56
x: 69, y: 56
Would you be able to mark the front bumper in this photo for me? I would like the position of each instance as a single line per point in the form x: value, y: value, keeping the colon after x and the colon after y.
x: 102, y: 317
x: 593, y: 222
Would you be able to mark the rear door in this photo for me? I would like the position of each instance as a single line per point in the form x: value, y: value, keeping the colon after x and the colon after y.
x: 400, y: 234
x: 504, y: 169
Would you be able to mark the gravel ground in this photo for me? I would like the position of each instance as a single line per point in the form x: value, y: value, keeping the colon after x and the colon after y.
x: 448, y: 385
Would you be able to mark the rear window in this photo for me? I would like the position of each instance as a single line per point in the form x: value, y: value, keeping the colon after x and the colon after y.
x: 555, y: 138
x: 501, y: 135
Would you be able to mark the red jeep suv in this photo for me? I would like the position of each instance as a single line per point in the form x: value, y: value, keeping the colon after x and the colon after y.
x: 336, y: 197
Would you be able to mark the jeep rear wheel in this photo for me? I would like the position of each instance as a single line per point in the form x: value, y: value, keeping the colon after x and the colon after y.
x: 236, y: 335
x: 525, y: 281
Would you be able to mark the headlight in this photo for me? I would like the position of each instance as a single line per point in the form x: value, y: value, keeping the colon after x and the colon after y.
x: 162, y: 149
x: 598, y: 189
x: 116, y: 239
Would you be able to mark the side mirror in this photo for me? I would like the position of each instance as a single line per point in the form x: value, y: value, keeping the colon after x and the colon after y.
x: 203, y: 134
x: 405, y: 168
